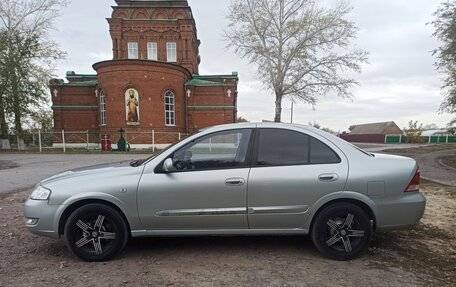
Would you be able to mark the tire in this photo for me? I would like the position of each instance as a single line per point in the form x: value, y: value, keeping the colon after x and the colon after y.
x: 342, y: 231
x: 96, y: 232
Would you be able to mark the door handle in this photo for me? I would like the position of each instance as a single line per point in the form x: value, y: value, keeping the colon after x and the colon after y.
x: 235, y: 181
x: 328, y: 177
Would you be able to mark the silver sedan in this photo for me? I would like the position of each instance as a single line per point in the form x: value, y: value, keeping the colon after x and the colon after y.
x: 240, y: 179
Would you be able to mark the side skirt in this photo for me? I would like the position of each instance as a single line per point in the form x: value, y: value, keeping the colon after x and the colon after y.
x: 218, y: 232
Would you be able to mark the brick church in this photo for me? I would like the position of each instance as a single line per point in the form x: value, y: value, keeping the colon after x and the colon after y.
x: 153, y: 80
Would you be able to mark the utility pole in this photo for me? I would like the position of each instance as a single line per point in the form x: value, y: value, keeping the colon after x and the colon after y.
x: 292, y: 110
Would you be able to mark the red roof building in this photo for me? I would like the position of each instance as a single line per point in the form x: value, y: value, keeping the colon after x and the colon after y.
x: 372, y: 133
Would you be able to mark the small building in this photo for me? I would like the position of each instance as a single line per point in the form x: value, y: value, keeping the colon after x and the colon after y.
x: 152, y: 82
x: 372, y: 133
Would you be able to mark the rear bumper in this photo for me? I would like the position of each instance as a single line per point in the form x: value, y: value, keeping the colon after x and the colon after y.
x: 399, y: 213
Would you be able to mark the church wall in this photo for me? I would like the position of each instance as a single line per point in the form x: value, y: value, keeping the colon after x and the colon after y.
x: 151, y: 80
x: 75, y: 108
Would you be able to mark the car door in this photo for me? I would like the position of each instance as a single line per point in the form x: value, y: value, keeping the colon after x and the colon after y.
x: 290, y: 171
x: 206, y: 189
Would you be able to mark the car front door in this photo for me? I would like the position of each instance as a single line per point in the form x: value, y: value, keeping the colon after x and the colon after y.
x: 206, y: 188
x: 290, y: 171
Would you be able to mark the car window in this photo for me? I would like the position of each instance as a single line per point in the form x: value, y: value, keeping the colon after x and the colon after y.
x: 282, y: 147
x: 225, y: 149
x: 320, y: 153
x: 278, y: 147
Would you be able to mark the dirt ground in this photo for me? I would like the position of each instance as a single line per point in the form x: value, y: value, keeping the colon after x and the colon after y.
x: 422, y: 256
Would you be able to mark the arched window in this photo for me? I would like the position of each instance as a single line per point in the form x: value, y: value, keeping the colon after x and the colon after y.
x: 102, y: 109
x: 170, y: 119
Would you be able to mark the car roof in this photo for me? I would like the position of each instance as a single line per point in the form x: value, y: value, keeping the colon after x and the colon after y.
x: 260, y: 125
x: 342, y: 144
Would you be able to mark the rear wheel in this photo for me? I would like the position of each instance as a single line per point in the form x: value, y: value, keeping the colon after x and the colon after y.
x: 342, y: 231
x: 96, y: 232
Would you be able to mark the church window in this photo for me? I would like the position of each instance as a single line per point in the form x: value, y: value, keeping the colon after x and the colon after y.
x: 171, y: 51
x: 152, y: 51
x: 132, y: 50
x: 170, y: 119
x: 102, y: 109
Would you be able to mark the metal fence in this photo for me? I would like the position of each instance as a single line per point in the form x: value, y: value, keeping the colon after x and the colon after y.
x: 89, y: 140
x: 424, y: 139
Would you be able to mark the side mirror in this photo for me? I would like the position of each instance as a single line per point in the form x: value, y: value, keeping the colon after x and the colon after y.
x: 168, y: 165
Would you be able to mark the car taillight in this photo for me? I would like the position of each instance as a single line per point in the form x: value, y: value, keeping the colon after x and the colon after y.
x: 414, y: 184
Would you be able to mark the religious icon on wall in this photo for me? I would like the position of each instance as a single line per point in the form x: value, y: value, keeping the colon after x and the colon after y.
x: 132, y: 110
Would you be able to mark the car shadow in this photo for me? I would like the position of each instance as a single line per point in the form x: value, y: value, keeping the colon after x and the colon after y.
x: 220, y: 244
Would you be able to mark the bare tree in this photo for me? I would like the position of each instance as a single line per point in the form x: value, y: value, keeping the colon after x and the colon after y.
x: 301, y: 49
x: 26, y: 57
x: 29, y: 15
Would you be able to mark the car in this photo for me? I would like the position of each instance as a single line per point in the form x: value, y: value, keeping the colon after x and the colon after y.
x: 236, y: 179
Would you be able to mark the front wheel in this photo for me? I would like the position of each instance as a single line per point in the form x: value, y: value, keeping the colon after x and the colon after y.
x: 342, y: 231
x: 96, y: 232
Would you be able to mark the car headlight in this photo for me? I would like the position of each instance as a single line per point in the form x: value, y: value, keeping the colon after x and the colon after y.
x: 40, y: 193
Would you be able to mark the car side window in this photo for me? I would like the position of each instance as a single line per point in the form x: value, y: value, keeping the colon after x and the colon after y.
x: 282, y: 147
x: 227, y: 149
x: 320, y: 153
x: 278, y: 147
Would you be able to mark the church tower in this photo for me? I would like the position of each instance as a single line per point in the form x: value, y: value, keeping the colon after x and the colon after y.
x: 156, y: 30
x: 151, y: 88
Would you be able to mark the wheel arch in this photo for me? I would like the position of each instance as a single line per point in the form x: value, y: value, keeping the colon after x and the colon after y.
x: 77, y: 204
x: 355, y: 201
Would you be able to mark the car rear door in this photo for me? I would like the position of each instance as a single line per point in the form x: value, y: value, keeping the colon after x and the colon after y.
x: 291, y: 170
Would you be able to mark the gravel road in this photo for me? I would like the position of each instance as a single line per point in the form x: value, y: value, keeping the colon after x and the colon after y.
x: 24, y: 170
x: 432, y: 169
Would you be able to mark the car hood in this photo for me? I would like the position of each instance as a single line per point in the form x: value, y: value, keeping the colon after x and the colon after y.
x: 89, y: 170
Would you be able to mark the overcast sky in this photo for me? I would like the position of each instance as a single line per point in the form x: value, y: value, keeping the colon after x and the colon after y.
x: 399, y: 83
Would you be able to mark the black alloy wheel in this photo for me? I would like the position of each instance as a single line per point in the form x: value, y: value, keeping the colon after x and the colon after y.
x: 342, y: 231
x: 96, y: 232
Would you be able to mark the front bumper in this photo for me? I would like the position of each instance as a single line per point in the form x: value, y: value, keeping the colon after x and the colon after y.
x: 400, y: 213
x: 46, y: 215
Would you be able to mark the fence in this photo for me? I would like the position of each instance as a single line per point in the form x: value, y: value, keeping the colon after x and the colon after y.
x: 90, y: 140
x: 424, y: 139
